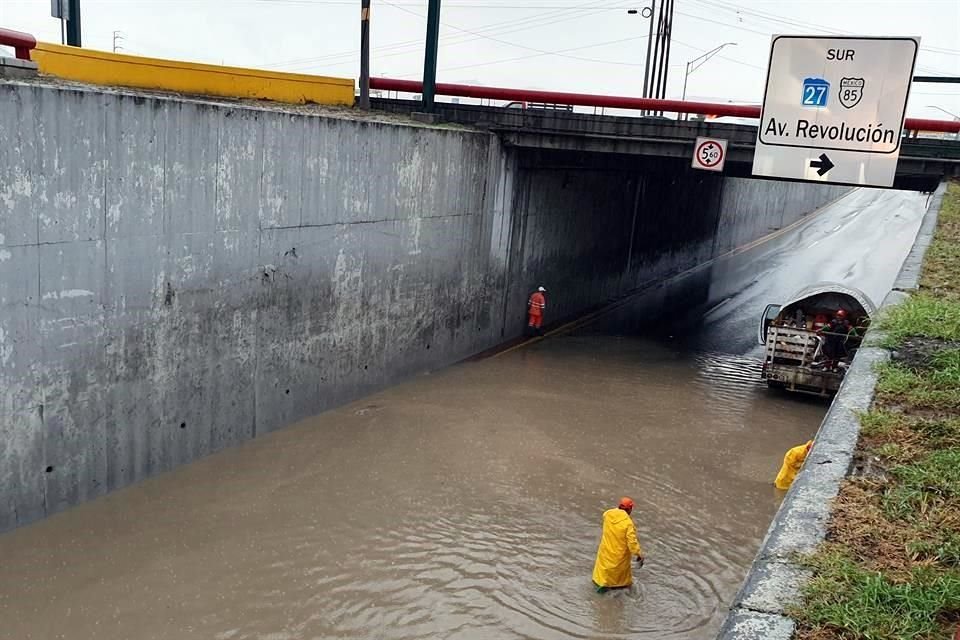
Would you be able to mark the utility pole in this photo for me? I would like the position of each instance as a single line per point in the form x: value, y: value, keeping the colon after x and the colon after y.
x: 657, y: 54
x: 646, y: 66
x: 73, y: 23
x: 365, y: 54
x: 60, y: 10
x: 117, y: 37
x: 647, y: 13
x: 430, y: 55
x: 661, y: 55
x: 657, y: 63
x: 668, y: 37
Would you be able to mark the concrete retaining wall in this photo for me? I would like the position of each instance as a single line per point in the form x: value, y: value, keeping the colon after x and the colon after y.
x: 753, y: 208
x: 178, y: 276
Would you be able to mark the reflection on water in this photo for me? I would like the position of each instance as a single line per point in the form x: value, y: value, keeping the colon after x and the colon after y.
x: 464, y: 504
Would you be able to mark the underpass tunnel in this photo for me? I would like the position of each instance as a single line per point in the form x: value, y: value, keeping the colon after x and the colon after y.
x: 596, y: 227
x: 592, y: 227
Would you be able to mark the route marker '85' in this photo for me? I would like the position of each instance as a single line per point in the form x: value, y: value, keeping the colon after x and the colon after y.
x: 709, y: 154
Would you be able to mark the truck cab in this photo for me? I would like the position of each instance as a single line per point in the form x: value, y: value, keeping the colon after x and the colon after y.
x: 810, y: 339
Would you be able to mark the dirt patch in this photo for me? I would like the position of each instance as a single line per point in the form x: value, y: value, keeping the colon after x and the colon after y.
x: 918, y: 353
x: 869, y: 467
x: 860, y: 526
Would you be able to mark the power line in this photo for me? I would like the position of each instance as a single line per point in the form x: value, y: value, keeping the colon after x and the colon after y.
x: 776, y: 18
x: 767, y: 34
x: 515, y: 26
x: 521, y: 46
x: 307, y: 3
x: 561, y: 52
x: 417, y: 45
x: 546, y: 53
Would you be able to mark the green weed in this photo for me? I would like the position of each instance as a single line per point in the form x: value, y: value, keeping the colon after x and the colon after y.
x: 939, y: 434
x: 937, y: 387
x: 878, y: 422
x: 942, y: 547
x: 921, y: 315
x: 923, y: 485
x: 890, y: 450
x: 941, y: 266
x: 843, y: 596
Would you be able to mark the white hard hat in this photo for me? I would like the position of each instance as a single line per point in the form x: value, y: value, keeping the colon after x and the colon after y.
x: 541, y: 289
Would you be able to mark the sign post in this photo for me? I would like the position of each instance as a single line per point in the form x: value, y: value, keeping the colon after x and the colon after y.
x: 709, y: 154
x: 60, y: 9
x: 834, y: 107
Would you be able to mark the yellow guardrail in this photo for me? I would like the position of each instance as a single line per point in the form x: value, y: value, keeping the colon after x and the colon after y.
x: 121, y: 70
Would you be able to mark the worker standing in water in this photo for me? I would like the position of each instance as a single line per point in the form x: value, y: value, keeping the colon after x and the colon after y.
x: 535, y: 306
x: 618, y: 543
x: 791, y: 465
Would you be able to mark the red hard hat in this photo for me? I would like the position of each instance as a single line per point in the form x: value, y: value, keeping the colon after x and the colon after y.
x: 841, y: 313
x: 625, y: 503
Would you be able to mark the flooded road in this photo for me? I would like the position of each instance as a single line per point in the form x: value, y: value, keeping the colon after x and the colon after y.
x: 466, y: 503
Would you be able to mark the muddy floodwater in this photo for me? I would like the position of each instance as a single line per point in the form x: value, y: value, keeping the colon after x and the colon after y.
x: 464, y: 503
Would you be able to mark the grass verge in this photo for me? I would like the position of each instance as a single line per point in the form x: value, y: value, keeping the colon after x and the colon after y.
x: 890, y: 567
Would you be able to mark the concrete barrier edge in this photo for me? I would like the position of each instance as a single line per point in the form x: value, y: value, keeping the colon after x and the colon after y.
x: 138, y: 72
x: 774, y: 582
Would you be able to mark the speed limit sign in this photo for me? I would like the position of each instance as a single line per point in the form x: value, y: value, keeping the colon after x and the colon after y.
x: 709, y: 154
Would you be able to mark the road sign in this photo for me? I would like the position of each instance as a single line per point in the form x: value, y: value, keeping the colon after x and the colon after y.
x: 709, y: 154
x: 833, y: 108
x: 60, y: 9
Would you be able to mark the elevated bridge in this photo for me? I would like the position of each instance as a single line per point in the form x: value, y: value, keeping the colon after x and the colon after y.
x: 924, y: 161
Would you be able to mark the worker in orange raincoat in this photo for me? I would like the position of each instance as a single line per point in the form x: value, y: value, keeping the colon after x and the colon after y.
x: 535, y: 306
x: 618, y: 543
x: 791, y: 465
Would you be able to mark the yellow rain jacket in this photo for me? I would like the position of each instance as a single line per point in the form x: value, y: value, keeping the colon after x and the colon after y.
x: 618, y: 545
x: 791, y: 465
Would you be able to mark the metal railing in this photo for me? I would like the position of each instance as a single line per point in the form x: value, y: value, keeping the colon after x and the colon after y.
x: 617, y: 102
x: 22, y: 43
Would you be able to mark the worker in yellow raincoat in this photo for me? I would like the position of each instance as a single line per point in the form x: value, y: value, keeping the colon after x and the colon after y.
x: 618, y: 543
x: 791, y: 465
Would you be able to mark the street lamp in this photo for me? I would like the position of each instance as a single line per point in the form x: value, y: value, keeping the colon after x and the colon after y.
x: 956, y: 136
x: 647, y: 13
x: 949, y: 113
x: 698, y: 62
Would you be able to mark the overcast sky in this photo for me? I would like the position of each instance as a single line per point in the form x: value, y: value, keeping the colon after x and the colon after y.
x: 566, y: 45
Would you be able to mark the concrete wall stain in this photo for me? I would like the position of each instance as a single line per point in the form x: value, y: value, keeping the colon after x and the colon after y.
x: 179, y: 277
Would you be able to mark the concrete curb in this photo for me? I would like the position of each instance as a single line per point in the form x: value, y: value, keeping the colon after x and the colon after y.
x: 909, y: 277
x: 774, y: 583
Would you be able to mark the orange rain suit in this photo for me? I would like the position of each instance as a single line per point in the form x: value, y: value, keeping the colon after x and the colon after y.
x: 535, y: 308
